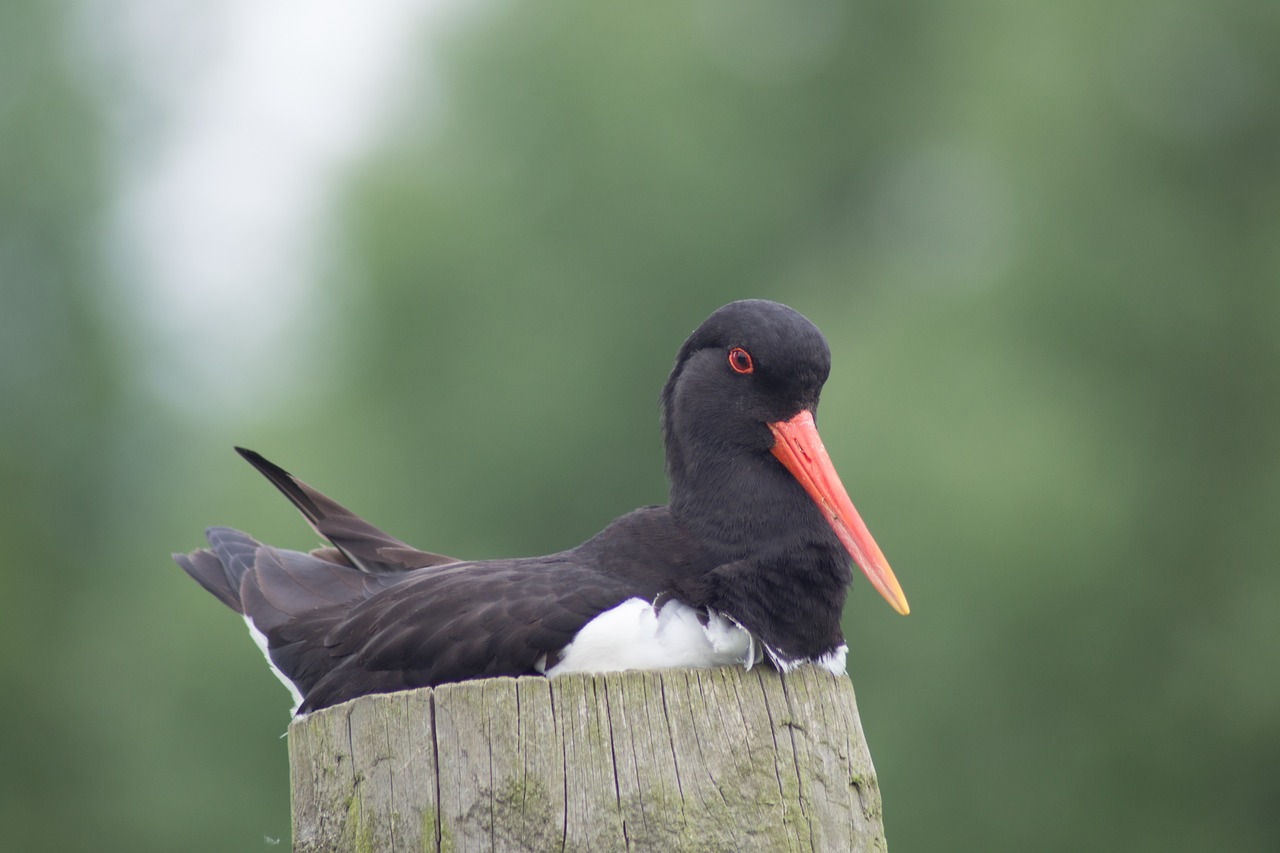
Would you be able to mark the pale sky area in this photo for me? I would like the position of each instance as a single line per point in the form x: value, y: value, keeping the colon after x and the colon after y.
x: 234, y: 124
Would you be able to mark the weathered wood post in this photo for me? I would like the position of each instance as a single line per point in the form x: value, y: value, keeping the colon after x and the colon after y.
x: 695, y: 760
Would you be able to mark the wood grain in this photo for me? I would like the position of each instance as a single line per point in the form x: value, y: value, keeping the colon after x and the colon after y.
x: 692, y: 760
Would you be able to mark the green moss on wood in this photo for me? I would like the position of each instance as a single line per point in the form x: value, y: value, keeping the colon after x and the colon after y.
x: 357, y: 835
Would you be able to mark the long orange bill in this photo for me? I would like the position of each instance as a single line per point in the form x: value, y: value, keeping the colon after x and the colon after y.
x: 800, y: 449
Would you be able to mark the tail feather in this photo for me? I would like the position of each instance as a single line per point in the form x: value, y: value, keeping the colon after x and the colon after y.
x: 357, y: 542
x: 236, y: 550
x: 272, y: 587
x: 208, y: 571
x: 292, y: 600
x: 221, y: 568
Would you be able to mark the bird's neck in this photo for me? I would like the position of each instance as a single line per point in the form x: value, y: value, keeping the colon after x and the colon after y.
x: 746, y: 505
x: 782, y: 572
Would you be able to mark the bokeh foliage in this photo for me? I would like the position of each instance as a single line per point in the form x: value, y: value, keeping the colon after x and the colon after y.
x: 1042, y: 240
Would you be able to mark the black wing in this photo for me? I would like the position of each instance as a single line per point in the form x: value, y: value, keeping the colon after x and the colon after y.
x: 356, y: 541
x: 337, y: 632
x: 452, y: 623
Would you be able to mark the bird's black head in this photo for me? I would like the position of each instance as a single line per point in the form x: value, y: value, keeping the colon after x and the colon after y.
x: 749, y: 475
x: 751, y: 363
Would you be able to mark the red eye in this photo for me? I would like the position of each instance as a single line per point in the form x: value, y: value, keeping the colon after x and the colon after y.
x: 740, y: 360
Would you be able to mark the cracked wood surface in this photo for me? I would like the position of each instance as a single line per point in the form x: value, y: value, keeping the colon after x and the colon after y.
x: 697, y: 760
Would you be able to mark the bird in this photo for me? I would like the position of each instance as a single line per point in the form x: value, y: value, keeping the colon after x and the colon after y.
x: 749, y: 561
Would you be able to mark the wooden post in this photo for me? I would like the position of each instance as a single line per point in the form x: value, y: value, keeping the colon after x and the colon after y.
x: 696, y: 760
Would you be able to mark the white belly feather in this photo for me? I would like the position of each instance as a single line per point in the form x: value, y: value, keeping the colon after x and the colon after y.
x: 635, y: 636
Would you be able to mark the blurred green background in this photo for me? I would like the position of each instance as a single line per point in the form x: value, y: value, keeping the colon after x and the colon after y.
x: 1043, y: 240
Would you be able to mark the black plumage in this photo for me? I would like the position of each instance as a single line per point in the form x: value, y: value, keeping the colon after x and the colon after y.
x: 740, y: 535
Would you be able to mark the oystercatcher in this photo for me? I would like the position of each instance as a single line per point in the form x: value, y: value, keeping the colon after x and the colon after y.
x: 750, y: 559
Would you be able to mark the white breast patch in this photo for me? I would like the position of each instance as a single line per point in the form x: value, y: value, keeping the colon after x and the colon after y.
x: 634, y: 635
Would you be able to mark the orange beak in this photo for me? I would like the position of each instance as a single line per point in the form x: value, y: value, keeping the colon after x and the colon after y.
x: 798, y: 446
